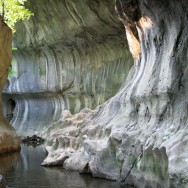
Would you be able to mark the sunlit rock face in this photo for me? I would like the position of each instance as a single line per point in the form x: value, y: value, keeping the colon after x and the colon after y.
x: 9, y: 141
x: 140, y: 135
x: 71, y: 55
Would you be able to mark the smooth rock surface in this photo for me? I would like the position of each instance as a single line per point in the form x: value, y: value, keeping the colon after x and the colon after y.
x: 70, y: 55
x: 9, y: 141
x: 140, y: 135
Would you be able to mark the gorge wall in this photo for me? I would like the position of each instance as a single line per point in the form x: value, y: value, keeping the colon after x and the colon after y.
x: 139, y: 136
x: 70, y: 55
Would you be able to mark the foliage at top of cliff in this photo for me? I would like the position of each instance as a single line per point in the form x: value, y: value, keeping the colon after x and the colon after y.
x: 13, y: 11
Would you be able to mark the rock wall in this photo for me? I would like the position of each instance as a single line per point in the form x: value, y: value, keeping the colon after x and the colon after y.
x: 140, y: 135
x: 70, y: 55
x: 9, y: 141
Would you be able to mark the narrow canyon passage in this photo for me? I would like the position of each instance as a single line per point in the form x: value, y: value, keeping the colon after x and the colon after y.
x: 70, y: 55
x: 105, y: 84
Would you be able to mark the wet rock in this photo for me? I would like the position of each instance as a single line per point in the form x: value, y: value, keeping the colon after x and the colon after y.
x: 33, y: 140
x: 149, y: 169
x: 57, y: 162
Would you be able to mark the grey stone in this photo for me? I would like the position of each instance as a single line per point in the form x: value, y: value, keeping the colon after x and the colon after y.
x: 139, y: 136
x: 70, y: 55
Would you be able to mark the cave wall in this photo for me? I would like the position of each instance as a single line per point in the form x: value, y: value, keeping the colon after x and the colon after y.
x: 139, y: 136
x: 70, y: 55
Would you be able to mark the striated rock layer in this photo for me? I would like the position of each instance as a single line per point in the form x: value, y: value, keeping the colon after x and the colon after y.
x: 140, y: 136
x: 9, y: 141
x: 71, y: 55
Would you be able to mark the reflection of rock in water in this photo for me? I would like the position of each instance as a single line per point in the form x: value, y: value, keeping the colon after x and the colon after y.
x: 8, y: 161
x: 32, y: 140
x: 10, y: 106
x: 2, y: 182
x: 25, y: 171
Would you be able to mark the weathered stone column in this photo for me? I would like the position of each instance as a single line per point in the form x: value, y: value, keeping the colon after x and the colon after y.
x: 9, y: 141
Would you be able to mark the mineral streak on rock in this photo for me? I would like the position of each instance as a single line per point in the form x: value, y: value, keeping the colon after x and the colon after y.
x: 140, y: 135
x: 70, y: 55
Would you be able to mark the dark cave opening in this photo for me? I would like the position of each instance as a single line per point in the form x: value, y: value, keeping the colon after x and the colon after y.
x: 11, y: 104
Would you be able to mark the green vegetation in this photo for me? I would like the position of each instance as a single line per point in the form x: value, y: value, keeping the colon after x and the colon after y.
x: 11, y: 71
x: 13, y: 11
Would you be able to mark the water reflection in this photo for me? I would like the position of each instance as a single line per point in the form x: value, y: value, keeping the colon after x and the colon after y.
x: 23, y: 170
x: 9, y: 161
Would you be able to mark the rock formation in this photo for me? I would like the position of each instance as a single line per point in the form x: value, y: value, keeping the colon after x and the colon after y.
x: 140, y: 135
x: 9, y: 141
x: 70, y: 55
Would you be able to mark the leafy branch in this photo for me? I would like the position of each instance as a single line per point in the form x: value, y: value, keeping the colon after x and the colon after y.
x: 13, y: 11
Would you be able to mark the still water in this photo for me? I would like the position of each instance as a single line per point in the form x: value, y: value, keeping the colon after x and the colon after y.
x: 23, y: 170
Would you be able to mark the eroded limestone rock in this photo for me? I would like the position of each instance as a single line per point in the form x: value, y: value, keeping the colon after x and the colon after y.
x: 71, y: 55
x: 140, y: 135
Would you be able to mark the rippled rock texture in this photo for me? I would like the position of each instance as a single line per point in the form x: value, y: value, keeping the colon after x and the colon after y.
x: 71, y: 55
x: 9, y: 141
x: 139, y: 136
